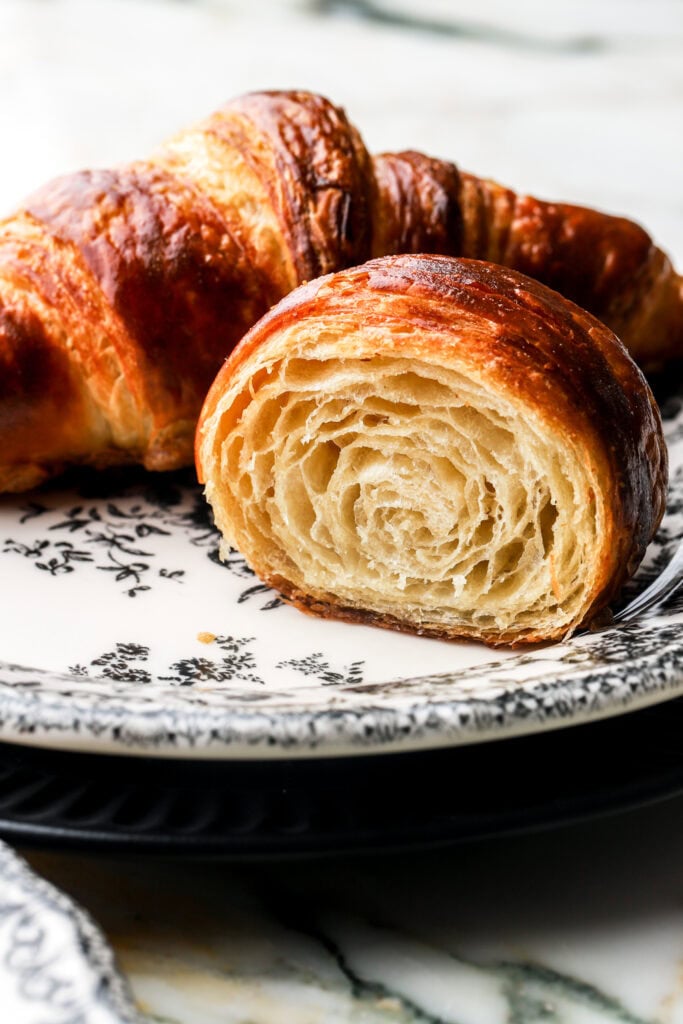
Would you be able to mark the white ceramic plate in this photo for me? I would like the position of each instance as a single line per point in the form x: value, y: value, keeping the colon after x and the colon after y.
x: 121, y: 632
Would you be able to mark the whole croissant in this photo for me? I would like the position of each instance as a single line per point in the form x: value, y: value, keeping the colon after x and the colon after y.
x: 122, y: 291
x: 437, y: 445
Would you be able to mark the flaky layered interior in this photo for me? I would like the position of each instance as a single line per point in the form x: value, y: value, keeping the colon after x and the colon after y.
x: 416, y: 492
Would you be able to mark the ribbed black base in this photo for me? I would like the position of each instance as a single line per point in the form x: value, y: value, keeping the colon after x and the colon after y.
x: 245, y: 810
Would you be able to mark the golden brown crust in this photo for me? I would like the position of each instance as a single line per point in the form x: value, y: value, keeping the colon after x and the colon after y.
x: 161, y: 261
x: 332, y: 609
x: 317, y: 172
x: 178, y: 283
x: 608, y: 265
x: 418, y: 206
x: 518, y: 339
x: 36, y: 383
x: 144, y: 277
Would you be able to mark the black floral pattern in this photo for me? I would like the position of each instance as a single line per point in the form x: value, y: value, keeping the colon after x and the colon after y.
x: 119, y: 534
x: 316, y: 665
x: 121, y: 664
x: 109, y: 541
x: 237, y: 565
x: 237, y: 661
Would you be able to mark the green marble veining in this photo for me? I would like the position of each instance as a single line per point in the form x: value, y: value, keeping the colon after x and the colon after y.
x: 364, y: 989
x: 521, y: 979
x: 532, y: 995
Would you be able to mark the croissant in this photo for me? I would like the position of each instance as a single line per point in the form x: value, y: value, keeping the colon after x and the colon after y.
x: 122, y: 291
x: 436, y: 445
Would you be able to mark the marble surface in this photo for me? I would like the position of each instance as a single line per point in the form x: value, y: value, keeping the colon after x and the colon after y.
x: 583, y: 105
x: 579, y: 925
x: 580, y: 101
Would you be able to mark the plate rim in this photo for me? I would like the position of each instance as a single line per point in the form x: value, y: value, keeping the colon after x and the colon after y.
x: 64, y: 721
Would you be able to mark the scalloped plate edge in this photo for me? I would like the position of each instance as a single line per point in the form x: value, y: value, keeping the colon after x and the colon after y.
x: 54, y: 720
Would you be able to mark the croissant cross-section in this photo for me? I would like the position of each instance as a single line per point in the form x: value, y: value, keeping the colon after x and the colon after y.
x: 436, y: 445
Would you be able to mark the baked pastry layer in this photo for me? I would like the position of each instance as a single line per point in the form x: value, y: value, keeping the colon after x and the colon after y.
x: 437, y: 445
x: 122, y: 291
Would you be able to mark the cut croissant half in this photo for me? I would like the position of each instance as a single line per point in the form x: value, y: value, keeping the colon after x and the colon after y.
x: 436, y: 445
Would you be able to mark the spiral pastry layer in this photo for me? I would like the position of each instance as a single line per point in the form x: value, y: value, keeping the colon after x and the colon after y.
x: 437, y: 445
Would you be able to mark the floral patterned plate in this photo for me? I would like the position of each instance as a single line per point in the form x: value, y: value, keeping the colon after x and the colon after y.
x: 55, y: 965
x: 123, y: 632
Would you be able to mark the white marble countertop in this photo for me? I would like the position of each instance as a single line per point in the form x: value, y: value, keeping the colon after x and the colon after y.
x: 576, y: 101
x: 585, y: 105
x: 577, y: 925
